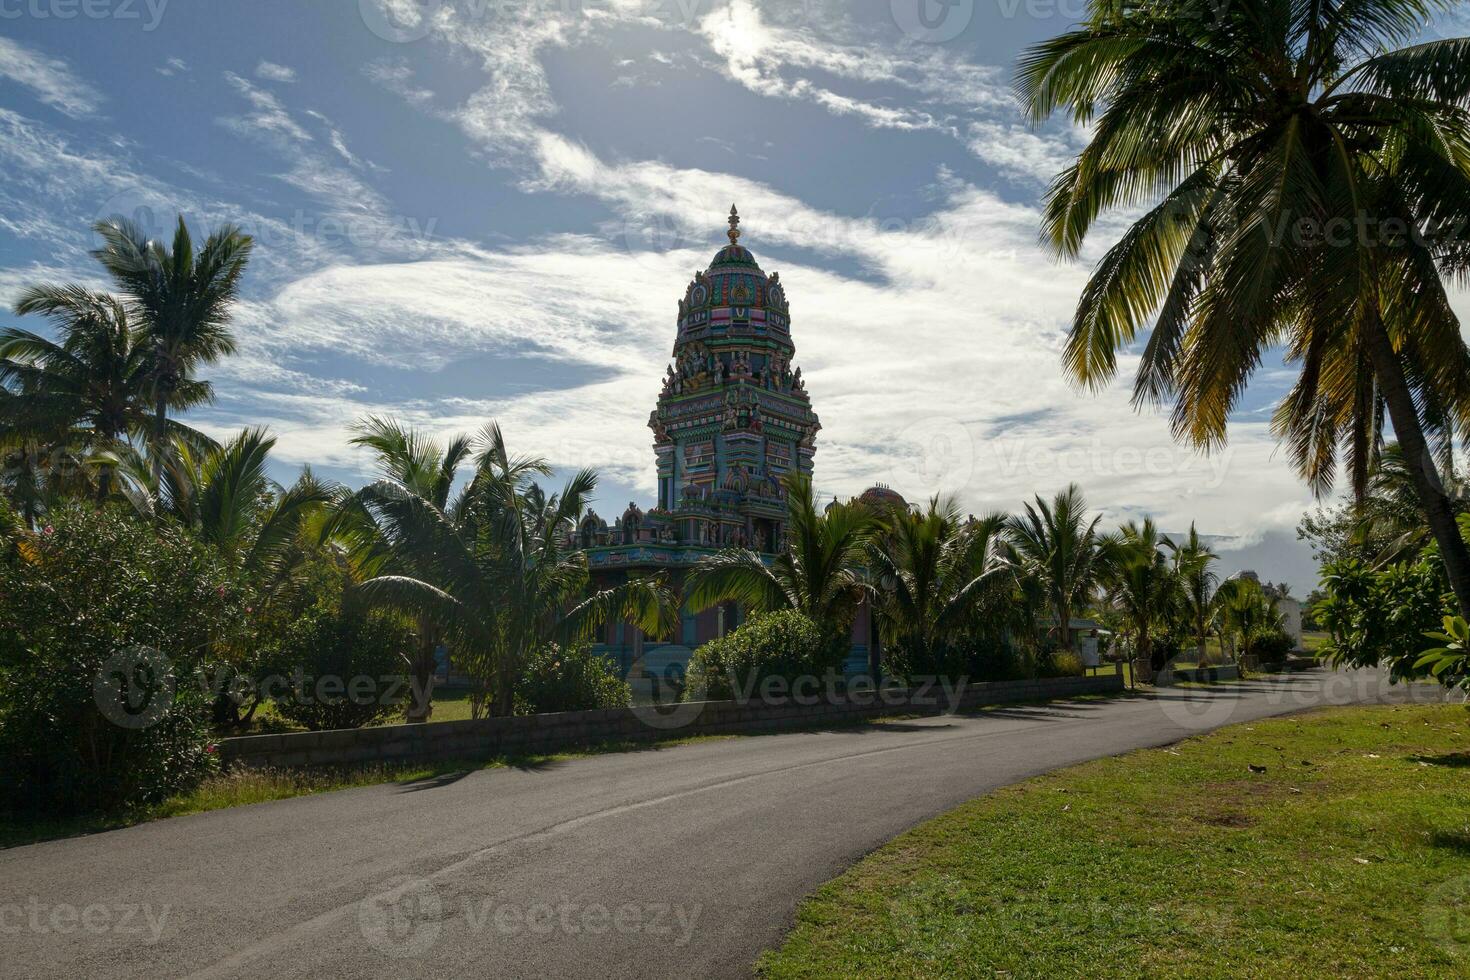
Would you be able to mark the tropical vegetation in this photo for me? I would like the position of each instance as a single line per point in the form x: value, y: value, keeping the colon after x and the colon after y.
x: 1305, y: 180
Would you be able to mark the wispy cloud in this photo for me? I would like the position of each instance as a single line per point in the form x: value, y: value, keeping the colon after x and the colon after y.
x: 49, y: 79
x: 272, y: 72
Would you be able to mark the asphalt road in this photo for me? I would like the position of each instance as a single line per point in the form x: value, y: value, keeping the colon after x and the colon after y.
x: 686, y: 861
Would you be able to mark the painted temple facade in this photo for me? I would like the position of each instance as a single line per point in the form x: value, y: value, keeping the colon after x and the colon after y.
x: 732, y: 420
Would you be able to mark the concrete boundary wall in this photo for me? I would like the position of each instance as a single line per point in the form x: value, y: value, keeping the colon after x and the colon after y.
x: 489, y: 737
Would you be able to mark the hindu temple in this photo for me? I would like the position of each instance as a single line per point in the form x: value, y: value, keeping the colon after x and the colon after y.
x: 732, y: 420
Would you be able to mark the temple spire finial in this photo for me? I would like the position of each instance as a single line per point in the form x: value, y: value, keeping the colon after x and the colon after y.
x: 734, y: 231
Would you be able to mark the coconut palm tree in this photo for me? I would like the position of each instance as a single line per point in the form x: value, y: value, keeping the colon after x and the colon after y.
x: 1192, y: 567
x: 932, y: 571
x: 182, y: 298
x: 1308, y: 169
x: 496, y: 574
x: 421, y: 466
x: 89, y: 388
x: 818, y: 573
x: 1141, y: 583
x: 1057, y: 544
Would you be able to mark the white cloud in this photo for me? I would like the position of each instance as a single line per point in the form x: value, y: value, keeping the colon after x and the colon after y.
x: 272, y: 72
x: 171, y: 67
x: 50, y: 79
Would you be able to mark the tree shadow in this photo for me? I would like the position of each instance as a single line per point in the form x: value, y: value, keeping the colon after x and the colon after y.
x: 1451, y: 840
x: 1453, y: 760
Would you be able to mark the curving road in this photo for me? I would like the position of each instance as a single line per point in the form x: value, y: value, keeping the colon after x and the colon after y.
x: 686, y: 861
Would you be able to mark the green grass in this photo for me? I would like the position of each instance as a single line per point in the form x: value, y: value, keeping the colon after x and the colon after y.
x: 1348, y: 856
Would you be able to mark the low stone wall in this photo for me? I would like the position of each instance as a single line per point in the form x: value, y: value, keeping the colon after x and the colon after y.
x: 489, y: 737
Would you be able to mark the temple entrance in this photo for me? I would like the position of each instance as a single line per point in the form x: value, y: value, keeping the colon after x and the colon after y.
x: 767, y: 535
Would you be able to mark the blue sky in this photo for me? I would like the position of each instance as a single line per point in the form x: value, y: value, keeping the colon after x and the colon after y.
x: 489, y: 209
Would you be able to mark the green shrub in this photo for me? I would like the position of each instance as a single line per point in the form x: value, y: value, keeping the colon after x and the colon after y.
x: 338, y: 664
x: 107, y: 625
x: 1380, y: 616
x: 1062, y: 663
x: 780, y: 644
x: 571, y: 679
x: 1270, y: 645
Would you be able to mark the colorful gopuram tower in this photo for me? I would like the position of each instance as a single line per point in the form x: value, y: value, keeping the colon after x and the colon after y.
x: 733, y: 417
x: 732, y: 420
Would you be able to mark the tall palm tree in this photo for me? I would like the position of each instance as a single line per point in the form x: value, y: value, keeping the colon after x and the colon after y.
x: 1057, y: 544
x: 89, y: 388
x: 496, y: 574
x: 183, y: 300
x: 819, y: 573
x: 1295, y: 146
x: 421, y: 466
x: 932, y: 571
x: 1142, y: 584
x: 1193, y: 561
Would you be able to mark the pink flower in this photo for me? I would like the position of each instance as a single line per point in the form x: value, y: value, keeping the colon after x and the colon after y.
x: 211, y: 749
x: 48, y: 530
x: 221, y: 591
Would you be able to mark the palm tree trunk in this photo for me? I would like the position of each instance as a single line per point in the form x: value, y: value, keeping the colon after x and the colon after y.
x: 421, y: 703
x: 1390, y: 374
x: 160, y: 426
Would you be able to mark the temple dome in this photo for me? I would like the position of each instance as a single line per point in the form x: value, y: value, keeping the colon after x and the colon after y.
x: 734, y: 290
x: 881, y: 498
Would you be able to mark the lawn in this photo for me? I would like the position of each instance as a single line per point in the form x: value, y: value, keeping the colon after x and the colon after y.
x: 1348, y: 855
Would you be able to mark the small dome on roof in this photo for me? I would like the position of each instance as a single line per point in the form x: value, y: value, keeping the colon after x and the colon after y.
x: 880, y: 497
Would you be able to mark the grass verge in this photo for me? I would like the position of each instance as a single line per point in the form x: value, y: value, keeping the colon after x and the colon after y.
x: 1349, y: 855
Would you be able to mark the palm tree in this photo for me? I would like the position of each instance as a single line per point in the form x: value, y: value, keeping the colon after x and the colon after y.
x: 1192, y: 567
x: 423, y: 467
x: 1141, y: 583
x: 1057, y: 544
x: 932, y: 572
x: 1245, y: 611
x: 89, y: 389
x: 1388, y: 519
x: 222, y: 494
x: 183, y: 301
x: 1278, y: 133
x: 497, y: 574
x: 818, y: 573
